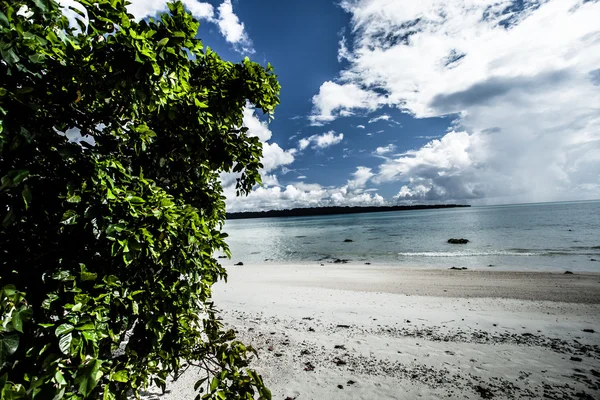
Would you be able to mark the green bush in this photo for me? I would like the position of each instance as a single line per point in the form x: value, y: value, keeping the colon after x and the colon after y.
x: 107, y: 242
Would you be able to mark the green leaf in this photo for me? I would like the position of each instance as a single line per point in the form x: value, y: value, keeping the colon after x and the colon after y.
x: 88, y: 377
x: 120, y: 376
x: 9, y: 290
x: 18, y: 316
x: 60, y: 379
x: 63, y: 329
x: 41, y: 4
x: 26, y: 193
x: 9, y: 343
x: 64, y: 343
x: 162, y: 42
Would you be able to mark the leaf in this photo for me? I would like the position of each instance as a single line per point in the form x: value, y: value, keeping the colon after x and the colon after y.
x: 120, y: 376
x: 26, y: 193
x: 64, y: 343
x: 19, y: 316
x: 88, y: 376
x: 162, y: 42
x: 134, y: 199
x: 41, y: 4
x: 63, y: 329
x: 60, y: 379
x: 8, y: 346
x: 9, y: 290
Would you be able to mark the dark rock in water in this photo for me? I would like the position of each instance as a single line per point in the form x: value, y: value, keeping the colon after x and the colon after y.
x: 309, y: 367
x: 240, y: 263
x: 339, y: 346
x: 367, y: 263
x: 338, y: 361
x: 343, y: 326
x: 348, y: 240
x: 568, y: 273
x: 458, y: 241
x: 311, y: 329
x: 570, y: 230
x: 458, y: 268
x: 485, y: 393
x: 588, y: 330
x: 490, y: 265
x: 350, y: 382
x: 340, y: 387
x: 222, y: 257
x: 595, y: 373
x: 578, y: 359
x: 340, y: 261
x: 593, y: 259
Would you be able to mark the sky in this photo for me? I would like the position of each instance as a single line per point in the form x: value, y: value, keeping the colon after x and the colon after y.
x: 388, y: 102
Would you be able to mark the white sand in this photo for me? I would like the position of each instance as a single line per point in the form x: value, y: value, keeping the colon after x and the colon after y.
x: 409, y: 333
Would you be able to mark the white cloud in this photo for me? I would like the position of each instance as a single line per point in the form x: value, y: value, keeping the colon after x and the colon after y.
x: 149, y: 8
x: 321, y: 141
x: 334, y: 100
x: 228, y: 22
x: 232, y: 29
x: 522, y: 79
x: 360, y: 178
x: 273, y: 155
x: 360, y: 126
x: 300, y: 195
x: 382, y: 117
x: 385, y: 149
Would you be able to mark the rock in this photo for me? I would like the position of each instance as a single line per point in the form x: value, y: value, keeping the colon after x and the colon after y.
x: 240, y: 263
x: 458, y: 241
x: 348, y: 240
x: 578, y: 359
x: 593, y: 259
x: 311, y: 329
x: 568, y: 273
x: 222, y: 257
x: 278, y: 354
x: 350, y: 382
x: 588, y: 330
x: 309, y: 367
x: 340, y: 261
x: 485, y: 393
x: 595, y: 373
x: 458, y: 268
x: 340, y: 387
x: 338, y: 361
x: 304, y: 352
x: 367, y: 263
x: 339, y: 346
x: 490, y: 265
x: 343, y: 326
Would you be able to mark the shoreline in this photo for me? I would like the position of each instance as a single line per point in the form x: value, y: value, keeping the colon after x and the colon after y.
x: 350, y: 332
x: 579, y: 287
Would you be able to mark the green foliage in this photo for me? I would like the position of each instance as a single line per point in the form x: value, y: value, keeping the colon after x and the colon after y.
x: 106, y: 244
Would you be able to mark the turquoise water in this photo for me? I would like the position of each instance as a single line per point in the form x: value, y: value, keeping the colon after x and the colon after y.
x: 547, y: 236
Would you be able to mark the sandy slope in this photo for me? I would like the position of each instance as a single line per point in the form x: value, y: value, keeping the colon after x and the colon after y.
x: 356, y: 332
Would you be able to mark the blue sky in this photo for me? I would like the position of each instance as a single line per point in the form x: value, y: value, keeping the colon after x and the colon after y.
x: 435, y: 101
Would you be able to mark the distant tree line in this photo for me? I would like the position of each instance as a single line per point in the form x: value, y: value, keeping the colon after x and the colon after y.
x: 307, y: 212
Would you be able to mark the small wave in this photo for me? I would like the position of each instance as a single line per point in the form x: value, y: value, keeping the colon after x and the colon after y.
x: 467, y: 253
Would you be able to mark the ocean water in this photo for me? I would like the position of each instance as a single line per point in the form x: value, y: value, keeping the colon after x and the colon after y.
x: 546, y: 237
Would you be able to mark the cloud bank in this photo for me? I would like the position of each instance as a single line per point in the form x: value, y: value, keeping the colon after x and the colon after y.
x: 522, y: 78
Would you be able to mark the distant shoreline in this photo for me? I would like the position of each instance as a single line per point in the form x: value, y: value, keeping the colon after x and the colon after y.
x: 308, y: 212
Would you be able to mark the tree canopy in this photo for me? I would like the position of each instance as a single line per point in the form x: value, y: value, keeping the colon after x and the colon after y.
x: 113, y: 133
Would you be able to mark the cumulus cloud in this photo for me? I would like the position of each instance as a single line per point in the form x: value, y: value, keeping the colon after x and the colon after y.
x: 228, y: 22
x: 522, y: 77
x: 232, y: 29
x: 335, y: 100
x: 385, y: 149
x: 273, y: 155
x: 320, y: 141
x: 360, y: 178
x: 382, y: 117
x: 301, y: 195
x: 360, y: 126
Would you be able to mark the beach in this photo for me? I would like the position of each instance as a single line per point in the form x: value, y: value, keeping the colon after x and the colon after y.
x: 355, y: 331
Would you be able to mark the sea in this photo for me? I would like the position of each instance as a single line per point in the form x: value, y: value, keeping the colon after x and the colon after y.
x: 555, y: 237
